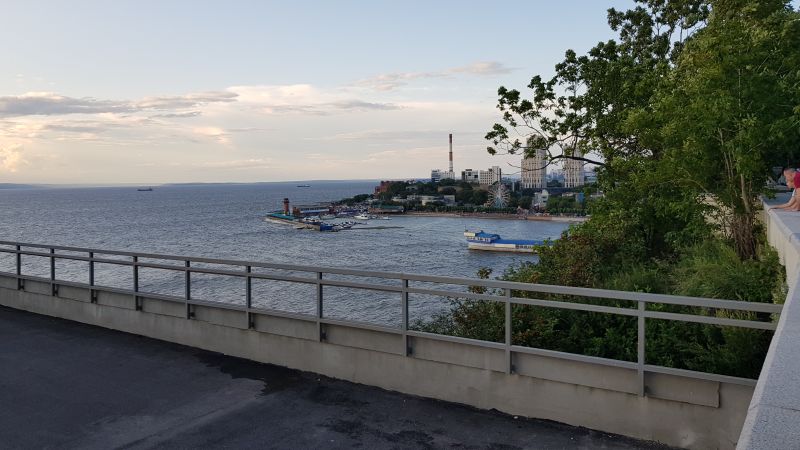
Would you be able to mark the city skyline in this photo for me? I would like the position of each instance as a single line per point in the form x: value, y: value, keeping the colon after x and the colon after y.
x: 148, y: 93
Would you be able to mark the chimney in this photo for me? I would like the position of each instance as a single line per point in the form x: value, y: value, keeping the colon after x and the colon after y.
x: 451, y: 152
x: 286, y: 206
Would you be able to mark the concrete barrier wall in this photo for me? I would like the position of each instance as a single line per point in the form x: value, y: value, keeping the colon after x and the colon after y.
x: 773, y: 419
x: 678, y: 411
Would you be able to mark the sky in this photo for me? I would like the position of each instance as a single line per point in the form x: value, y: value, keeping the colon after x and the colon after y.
x: 149, y: 92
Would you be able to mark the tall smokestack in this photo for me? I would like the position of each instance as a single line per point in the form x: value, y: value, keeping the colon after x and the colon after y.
x: 451, y: 152
x: 286, y: 206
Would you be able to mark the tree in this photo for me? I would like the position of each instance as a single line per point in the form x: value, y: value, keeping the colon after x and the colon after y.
x: 583, y: 108
x: 479, y: 197
x: 729, y: 110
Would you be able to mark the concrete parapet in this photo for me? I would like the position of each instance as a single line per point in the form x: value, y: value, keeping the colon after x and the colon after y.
x: 773, y: 419
x: 677, y: 410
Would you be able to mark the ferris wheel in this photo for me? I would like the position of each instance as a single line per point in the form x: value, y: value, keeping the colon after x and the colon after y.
x: 498, y: 196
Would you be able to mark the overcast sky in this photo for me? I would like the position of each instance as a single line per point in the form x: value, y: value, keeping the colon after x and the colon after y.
x: 169, y: 91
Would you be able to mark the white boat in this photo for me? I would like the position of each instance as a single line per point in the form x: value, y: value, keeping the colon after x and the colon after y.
x: 362, y: 216
x: 480, y: 240
x: 327, y: 216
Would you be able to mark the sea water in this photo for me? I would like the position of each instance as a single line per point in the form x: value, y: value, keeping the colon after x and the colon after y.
x: 226, y: 221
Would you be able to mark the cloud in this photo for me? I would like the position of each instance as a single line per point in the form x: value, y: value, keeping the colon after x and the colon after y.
x: 324, y: 109
x: 484, y: 68
x: 11, y: 158
x: 391, y: 81
x: 303, y: 99
x: 182, y: 115
x: 186, y: 101
x: 255, y: 163
x: 215, y: 133
x: 48, y: 104
x: 51, y: 104
x: 397, y: 135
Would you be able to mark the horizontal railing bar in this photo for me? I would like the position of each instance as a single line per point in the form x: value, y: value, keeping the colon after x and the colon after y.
x: 457, y: 339
x: 456, y: 294
x: 754, y: 324
x: 574, y: 357
x: 121, y: 262
x: 700, y: 375
x: 575, y: 306
x: 361, y: 325
x: 525, y: 287
x: 371, y: 287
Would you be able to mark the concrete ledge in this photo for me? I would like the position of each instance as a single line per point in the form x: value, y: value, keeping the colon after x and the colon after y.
x: 773, y: 419
x: 459, y: 354
x: 448, y: 371
x: 593, y: 375
x: 284, y: 326
x: 164, y: 307
x: 366, y: 339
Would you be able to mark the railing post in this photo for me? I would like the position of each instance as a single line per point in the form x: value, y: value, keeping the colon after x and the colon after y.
x: 320, y: 331
x: 136, y: 283
x: 20, y: 284
x: 248, y: 297
x: 92, y: 292
x: 640, y: 347
x: 53, y: 287
x: 407, y: 350
x: 188, y: 295
x: 509, y: 361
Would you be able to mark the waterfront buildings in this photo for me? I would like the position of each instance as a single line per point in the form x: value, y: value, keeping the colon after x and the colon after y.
x: 438, y: 175
x: 490, y: 177
x: 449, y: 200
x: 540, y: 199
x: 470, y: 176
x: 534, y: 172
x: 573, y: 172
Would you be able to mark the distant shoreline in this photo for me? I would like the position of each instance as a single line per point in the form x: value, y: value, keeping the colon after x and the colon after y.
x: 566, y: 219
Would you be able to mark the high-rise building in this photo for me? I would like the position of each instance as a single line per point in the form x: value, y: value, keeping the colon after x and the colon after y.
x: 490, y: 177
x: 573, y: 171
x: 534, y: 172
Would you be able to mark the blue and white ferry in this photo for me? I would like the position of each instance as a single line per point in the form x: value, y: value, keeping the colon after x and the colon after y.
x: 479, y: 240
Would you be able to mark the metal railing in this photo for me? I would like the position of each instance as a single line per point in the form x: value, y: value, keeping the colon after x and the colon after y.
x: 244, y: 269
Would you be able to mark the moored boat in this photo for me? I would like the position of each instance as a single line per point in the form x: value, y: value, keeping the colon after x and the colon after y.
x: 480, y: 240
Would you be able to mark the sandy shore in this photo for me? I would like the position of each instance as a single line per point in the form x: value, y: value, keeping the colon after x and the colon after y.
x: 567, y: 219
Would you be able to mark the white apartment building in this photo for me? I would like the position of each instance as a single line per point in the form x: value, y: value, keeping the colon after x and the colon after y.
x: 573, y: 172
x: 439, y: 175
x: 534, y: 172
x: 470, y: 176
x: 490, y: 177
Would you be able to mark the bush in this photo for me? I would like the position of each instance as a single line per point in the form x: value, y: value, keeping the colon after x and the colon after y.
x: 611, y: 254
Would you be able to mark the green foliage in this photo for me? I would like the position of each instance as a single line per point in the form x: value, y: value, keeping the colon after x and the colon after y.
x: 360, y: 198
x: 524, y: 202
x: 709, y: 269
x: 684, y: 113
